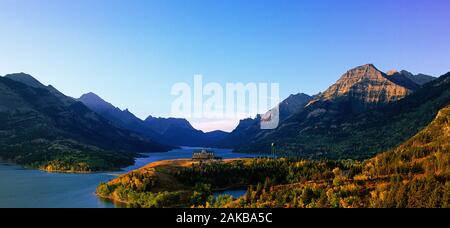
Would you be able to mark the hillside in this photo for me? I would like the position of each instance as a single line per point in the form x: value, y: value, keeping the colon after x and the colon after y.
x: 339, y: 129
x: 249, y: 128
x: 120, y: 118
x: 427, y: 153
x: 415, y: 174
x: 169, y: 131
x: 366, y: 86
x: 419, y: 79
x: 180, y: 132
x: 358, y: 90
x: 32, y: 82
x: 39, y: 129
x: 158, y: 184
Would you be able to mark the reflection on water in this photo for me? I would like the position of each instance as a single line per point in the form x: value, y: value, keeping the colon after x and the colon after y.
x: 235, y: 193
x: 21, y: 187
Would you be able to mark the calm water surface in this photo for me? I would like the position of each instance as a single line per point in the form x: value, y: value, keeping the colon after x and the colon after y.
x: 235, y: 193
x: 20, y: 187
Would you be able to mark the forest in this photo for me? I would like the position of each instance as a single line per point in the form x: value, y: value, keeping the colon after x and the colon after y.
x: 200, y: 180
x: 64, y: 156
x: 414, y: 174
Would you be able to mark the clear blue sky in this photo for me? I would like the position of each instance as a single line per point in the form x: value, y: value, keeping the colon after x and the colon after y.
x: 132, y: 52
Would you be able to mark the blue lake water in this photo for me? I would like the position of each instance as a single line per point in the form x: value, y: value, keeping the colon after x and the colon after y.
x: 20, y: 187
x: 235, y: 193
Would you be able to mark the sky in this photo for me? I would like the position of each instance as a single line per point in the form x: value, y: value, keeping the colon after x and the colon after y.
x: 132, y: 52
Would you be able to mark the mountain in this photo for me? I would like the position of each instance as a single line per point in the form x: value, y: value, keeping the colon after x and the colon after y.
x: 163, y: 125
x: 243, y: 133
x: 419, y: 79
x: 364, y: 113
x: 215, y: 136
x: 366, y: 86
x: 415, y: 174
x: 170, y: 131
x: 180, y: 132
x: 293, y: 104
x: 123, y: 119
x: 249, y: 128
x: 31, y: 81
x: 26, y: 79
x: 359, y: 89
x: 41, y: 129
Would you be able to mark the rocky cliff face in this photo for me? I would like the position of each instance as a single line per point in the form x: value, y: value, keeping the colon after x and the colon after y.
x: 335, y: 129
x: 369, y: 86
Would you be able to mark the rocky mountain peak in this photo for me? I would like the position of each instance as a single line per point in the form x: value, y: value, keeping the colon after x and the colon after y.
x: 91, y: 96
x: 95, y: 102
x: 368, y: 85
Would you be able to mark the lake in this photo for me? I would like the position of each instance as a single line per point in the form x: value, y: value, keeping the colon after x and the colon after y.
x: 20, y: 187
x: 235, y: 193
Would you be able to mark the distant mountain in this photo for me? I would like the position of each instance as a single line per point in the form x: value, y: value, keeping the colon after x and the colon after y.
x: 356, y: 91
x: 364, y: 113
x: 243, y: 133
x: 163, y: 125
x: 249, y: 128
x: 124, y: 119
x: 38, y: 127
x: 293, y: 104
x: 170, y: 131
x: 419, y: 79
x: 215, y: 136
x: 180, y: 132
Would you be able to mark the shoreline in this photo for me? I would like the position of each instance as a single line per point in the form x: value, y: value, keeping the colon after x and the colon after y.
x: 11, y: 163
x: 160, y: 167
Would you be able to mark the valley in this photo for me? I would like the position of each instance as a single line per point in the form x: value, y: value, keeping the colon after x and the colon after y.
x: 225, y: 112
x: 416, y: 174
x: 369, y: 136
x: 30, y: 188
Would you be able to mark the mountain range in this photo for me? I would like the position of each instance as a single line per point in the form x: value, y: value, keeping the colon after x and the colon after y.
x: 419, y: 79
x: 41, y: 127
x: 249, y: 128
x: 365, y: 112
x: 170, y: 131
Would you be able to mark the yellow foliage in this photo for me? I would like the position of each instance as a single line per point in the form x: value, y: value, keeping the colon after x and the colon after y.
x: 349, y: 187
x: 361, y: 177
x: 374, y: 195
x: 337, y: 171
